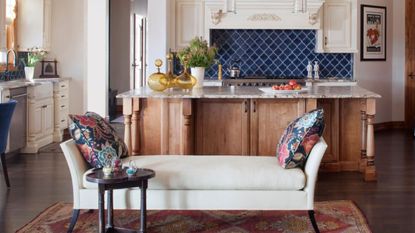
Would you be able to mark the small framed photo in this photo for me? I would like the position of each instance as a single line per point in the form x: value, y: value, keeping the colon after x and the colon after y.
x: 373, y: 33
x: 49, y: 69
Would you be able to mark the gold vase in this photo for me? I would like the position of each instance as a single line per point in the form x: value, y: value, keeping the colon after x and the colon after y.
x: 185, y: 80
x: 158, y: 81
x: 170, y: 77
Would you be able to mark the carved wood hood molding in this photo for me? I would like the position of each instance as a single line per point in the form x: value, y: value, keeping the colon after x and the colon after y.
x: 263, y: 14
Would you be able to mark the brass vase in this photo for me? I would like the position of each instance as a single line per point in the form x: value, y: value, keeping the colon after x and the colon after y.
x: 170, y: 77
x: 185, y: 80
x: 158, y: 81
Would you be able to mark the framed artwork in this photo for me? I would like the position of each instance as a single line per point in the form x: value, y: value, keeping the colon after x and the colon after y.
x: 49, y: 69
x: 373, y: 33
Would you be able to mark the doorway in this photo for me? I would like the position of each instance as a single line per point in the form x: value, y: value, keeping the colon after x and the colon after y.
x: 410, y: 65
x: 127, y: 51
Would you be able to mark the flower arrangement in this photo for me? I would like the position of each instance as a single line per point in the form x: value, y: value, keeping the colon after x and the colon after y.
x: 198, y: 53
x: 34, y: 55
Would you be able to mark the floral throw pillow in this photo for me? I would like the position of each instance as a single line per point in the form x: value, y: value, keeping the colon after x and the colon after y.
x: 299, y: 138
x: 96, y: 139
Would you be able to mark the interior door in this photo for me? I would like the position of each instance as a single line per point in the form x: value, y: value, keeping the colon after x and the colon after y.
x: 410, y: 64
x: 139, y: 50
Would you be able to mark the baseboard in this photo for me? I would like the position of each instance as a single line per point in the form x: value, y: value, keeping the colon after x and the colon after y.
x: 390, y: 125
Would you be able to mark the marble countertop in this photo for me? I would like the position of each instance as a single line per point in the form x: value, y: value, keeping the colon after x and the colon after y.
x: 25, y: 83
x: 314, y: 92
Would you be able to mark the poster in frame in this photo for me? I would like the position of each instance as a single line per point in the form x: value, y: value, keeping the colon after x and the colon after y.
x: 373, y: 33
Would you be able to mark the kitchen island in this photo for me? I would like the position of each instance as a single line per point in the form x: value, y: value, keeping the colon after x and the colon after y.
x: 247, y: 121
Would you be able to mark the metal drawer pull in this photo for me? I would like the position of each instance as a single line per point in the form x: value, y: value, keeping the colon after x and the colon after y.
x: 246, y: 106
x: 62, y: 120
x: 62, y: 96
x: 62, y: 106
x: 62, y: 86
x: 44, y: 106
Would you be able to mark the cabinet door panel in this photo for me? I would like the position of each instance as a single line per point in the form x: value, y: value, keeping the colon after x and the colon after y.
x: 269, y: 120
x: 331, y: 131
x: 337, y: 24
x: 35, y: 120
x: 222, y: 127
x: 47, y: 118
x: 189, y: 21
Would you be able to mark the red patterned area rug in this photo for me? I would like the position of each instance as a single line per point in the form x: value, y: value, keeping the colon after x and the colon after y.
x: 331, y: 216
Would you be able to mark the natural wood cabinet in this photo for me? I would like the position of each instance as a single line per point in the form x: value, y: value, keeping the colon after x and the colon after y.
x: 228, y: 126
x: 222, y: 126
x: 269, y: 118
x: 331, y: 132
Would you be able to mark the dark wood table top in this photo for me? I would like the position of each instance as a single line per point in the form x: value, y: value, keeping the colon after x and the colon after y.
x: 97, y: 176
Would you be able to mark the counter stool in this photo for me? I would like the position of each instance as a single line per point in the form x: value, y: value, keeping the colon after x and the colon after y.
x: 6, y: 112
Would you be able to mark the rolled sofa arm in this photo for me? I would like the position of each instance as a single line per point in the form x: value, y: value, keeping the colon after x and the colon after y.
x: 77, y: 167
x: 311, y: 170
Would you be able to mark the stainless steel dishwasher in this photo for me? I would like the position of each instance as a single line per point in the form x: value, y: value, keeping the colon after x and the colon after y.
x: 17, y: 139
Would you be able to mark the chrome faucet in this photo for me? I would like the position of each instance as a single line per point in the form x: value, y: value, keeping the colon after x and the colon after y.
x: 7, y: 58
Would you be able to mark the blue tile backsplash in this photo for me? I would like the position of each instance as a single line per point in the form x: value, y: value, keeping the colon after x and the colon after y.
x: 276, y: 53
x: 16, y: 74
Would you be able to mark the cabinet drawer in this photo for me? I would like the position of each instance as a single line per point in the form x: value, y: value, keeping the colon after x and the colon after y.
x: 63, y: 122
x: 62, y: 86
x: 64, y: 94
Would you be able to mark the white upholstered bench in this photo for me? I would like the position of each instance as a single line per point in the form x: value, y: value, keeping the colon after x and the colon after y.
x: 206, y: 182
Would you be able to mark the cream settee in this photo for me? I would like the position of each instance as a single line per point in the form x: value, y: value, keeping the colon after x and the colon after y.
x: 206, y: 182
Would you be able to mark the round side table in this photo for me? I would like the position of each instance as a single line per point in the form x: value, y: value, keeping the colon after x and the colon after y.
x: 120, y: 180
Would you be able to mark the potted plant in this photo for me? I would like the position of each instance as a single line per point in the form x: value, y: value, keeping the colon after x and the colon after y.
x: 33, y: 57
x: 199, y: 56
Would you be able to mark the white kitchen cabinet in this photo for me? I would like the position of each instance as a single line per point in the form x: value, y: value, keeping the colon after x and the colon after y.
x: 34, y: 24
x: 187, y: 23
x: 339, y: 27
x: 61, y: 108
x: 40, y: 117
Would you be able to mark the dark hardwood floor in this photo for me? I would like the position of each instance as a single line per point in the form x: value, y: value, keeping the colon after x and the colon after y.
x: 41, y: 180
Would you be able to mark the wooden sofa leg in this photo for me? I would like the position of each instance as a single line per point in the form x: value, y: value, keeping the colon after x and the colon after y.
x: 75, y: 215
x: 313, y: 221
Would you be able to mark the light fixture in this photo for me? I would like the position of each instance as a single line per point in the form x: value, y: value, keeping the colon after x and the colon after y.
x: 230, y: 6
x: 300, y: 6
x: 10, y: 11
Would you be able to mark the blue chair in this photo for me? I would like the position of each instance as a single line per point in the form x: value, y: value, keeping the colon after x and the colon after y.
x: 6, y: 113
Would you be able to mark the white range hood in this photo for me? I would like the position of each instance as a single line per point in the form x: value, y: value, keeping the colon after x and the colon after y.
x: 262, y: 14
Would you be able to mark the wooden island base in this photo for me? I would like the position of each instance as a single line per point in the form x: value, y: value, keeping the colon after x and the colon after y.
x: 249, y: 126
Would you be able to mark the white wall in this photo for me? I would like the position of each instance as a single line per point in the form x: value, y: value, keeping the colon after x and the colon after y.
x: 384, y: 77
x: 68, y: 48
x: 120, y: 64
x: 158, y: 31
x: 96, y: 52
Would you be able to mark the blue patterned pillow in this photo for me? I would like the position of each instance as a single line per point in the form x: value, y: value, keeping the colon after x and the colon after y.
x: 96, y: 139
x: 299, y: 138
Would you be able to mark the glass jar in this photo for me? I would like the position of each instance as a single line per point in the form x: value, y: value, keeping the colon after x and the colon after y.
x: 158, y: 81
x: 185, y: 80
